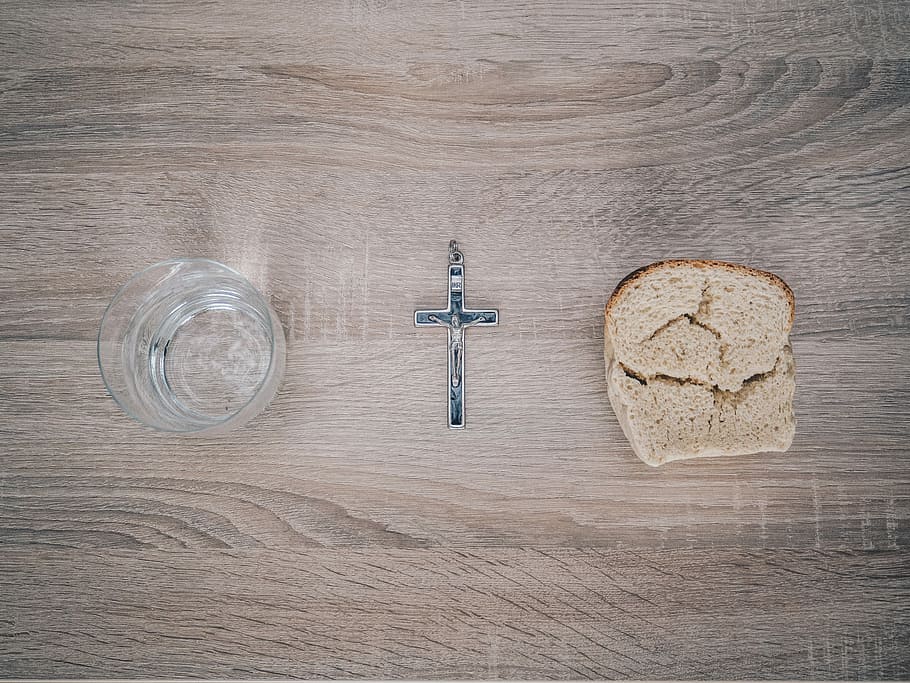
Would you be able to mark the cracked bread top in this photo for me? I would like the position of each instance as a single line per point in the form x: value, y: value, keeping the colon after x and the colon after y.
x: 669, y: 264
x: 707, y: 322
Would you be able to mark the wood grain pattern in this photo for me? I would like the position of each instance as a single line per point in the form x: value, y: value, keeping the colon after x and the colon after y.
x: 330, y: 152
x: 493, y: 613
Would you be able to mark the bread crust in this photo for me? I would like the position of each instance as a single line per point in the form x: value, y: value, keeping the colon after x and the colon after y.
x: 699, y: 263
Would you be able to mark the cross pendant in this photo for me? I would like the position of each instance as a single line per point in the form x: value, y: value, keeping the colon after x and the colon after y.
x: 456, y: 318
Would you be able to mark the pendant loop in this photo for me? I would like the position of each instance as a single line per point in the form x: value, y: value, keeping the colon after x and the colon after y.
x: 455, y: 256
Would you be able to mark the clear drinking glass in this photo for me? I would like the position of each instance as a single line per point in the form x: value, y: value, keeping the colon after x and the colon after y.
x: 190, y: 346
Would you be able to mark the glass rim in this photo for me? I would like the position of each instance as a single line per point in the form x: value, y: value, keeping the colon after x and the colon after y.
x: 215, y: 425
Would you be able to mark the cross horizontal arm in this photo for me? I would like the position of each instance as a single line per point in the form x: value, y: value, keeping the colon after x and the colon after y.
x: 455, y: 319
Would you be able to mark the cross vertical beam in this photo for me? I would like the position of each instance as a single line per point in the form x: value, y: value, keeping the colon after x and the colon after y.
x: 456, y: 319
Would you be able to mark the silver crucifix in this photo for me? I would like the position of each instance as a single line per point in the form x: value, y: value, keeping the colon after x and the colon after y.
x: 456, y: 318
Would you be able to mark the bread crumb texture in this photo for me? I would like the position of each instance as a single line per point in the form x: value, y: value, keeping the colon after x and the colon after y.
x: 699, y: 362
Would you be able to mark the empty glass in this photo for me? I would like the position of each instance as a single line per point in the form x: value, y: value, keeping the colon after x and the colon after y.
x: 189, y: 345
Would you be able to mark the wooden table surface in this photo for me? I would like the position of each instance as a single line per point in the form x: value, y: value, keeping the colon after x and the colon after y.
x: 330, y: 151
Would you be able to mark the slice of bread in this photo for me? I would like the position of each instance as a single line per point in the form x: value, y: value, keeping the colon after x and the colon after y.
x: 699, y: 362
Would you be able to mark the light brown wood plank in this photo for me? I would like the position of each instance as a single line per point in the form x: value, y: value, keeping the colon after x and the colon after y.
x: 439, y: 32
x: 349, y: 255
x: 610, y: 114
x: 345, y: 456
x: 541, y: 613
